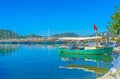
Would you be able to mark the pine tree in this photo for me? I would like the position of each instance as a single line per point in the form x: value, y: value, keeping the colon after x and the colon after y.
x: 114, y: 24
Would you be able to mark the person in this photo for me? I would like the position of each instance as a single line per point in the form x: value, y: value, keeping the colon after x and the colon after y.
x: 72, y: 46
x: 101, y: 44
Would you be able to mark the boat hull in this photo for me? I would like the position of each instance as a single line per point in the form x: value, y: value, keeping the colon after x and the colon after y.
x: 98, y: 51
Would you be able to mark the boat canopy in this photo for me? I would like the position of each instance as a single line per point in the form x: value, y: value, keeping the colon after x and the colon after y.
x: 78, y: 39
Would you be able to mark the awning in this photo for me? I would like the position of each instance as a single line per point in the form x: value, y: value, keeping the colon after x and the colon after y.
x: 78, y: 39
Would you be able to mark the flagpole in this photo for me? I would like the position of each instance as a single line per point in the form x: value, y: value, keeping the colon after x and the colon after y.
x: 96, y: 38
x: 96, y: 32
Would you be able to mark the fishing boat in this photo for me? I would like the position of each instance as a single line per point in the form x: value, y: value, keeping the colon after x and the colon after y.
x: 97, y: 51
x: 86, y: 50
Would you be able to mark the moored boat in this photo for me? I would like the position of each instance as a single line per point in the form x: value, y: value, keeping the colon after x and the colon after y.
x: 97, y: 51
x: 86, y: 50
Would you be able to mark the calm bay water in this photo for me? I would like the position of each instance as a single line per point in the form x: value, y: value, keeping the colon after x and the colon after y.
x: 44, y: 62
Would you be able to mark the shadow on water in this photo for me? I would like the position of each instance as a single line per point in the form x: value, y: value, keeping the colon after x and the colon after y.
x: 97, y: 64
x: 6, y: 49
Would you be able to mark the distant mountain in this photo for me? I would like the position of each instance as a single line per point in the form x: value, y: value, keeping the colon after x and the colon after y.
x: 32, y: 35
x: 68, y: 34
x: 6, y: 34
x: 103, y: 33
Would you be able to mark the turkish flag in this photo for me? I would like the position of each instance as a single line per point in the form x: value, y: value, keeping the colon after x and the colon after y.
x: 95, y: 28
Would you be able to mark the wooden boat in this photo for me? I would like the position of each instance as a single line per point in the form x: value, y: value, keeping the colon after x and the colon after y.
x: 86, y: 50
x: 97, y: 51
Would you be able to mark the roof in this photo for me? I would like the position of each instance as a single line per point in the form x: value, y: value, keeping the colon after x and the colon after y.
x: 78, y: 39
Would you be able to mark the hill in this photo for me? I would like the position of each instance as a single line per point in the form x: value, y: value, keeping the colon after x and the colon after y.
x: 6, y: 34
x: 103, y: 33
x: 32, y: 36
x: 68, y: 34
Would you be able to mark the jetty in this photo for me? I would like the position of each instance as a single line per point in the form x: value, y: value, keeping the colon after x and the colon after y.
x: 43, y: 40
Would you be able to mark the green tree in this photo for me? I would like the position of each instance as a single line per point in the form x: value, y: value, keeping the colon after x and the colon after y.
x: 114, y: 24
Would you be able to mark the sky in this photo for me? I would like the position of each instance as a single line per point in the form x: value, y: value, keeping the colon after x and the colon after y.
x: 57, y: 16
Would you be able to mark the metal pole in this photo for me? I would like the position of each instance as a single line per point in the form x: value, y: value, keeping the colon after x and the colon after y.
x: 96, y: 38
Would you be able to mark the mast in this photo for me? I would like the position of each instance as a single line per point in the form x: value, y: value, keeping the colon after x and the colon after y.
x: 48, y: 33
x: 97, y: 39
x: 14, y: 33
x: 15, y: 36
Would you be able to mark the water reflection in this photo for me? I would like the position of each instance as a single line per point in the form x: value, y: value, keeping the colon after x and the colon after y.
x: 43, y: 46
x: 97, y: 64
x: 6, y: 49
x: 41, y: 61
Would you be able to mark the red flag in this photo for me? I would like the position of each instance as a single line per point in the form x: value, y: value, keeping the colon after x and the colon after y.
x: 95, y: 28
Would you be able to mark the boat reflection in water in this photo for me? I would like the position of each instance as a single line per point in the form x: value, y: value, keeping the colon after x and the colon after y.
x: 97, y: 64
x: 6, y: 49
